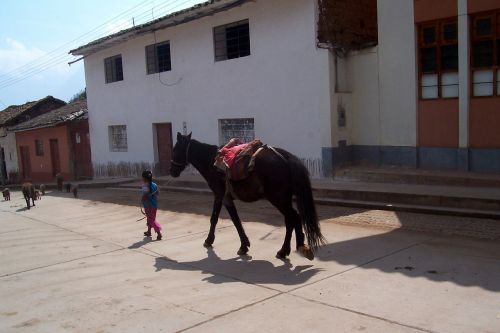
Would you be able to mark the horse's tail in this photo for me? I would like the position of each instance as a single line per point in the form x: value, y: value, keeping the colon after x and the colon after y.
x: 305, y: 202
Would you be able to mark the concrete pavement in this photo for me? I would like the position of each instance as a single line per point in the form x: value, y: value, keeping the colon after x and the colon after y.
x: 81, y: 265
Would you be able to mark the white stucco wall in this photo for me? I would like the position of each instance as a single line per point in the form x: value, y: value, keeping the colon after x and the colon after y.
x: 8, y: 143
x: 283, y: 84
x: 397, y: 72
x: 364, y: 117
x: 382, y: 81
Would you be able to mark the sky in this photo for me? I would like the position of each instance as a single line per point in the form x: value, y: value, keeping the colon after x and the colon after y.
x: 36, y: 36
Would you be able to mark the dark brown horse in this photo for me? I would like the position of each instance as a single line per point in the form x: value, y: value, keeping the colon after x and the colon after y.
x: 277, y: 176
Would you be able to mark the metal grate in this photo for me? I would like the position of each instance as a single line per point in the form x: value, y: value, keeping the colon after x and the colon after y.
x: 113, y: 68
x: 39, y: 147
x: 158, y: 58
x: 118, y: 138
x: 232, y: 40
x: 242, y: 128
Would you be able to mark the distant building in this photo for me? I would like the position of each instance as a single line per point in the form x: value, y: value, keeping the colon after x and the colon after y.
x: 418, y: 87
x: 55, y: 142
x: 16, y: 114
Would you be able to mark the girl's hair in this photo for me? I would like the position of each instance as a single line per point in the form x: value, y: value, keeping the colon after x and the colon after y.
x: 146, y: 174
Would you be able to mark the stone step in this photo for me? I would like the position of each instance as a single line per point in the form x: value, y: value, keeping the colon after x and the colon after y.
x: 423, y: 177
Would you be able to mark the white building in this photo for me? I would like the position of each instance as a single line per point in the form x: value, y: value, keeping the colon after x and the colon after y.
x: 387, y: 104
x: 279, y: 87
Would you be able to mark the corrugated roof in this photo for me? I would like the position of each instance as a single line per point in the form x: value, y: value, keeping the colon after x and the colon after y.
x: 67, y: 113
x: 193, y: 13
x: 13, y: 111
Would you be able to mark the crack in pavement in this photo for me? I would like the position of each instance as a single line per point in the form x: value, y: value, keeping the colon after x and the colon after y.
x: 154, y: 254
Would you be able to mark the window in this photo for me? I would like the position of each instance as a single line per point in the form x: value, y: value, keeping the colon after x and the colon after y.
x: 242, y: 129
x: 113, y: 68
x: 485, y: 54
x: 158, y: 58
x: 232, y: 40
x: 118, y: 138
x: 438, y: 59
x: 39, y: 147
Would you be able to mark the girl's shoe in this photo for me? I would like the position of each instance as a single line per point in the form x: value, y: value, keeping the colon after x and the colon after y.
x: 159, y: 237
x: 147, y: 233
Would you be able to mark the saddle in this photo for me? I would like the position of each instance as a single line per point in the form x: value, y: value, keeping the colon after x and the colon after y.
x: 237, y: 160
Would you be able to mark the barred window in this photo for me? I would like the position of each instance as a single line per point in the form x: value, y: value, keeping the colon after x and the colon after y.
x: 39, y: 147
x: 242, y: 128
x: 232, y: 40
x: 113, y: 68
x: 117, y: 138
x: 158, y: 58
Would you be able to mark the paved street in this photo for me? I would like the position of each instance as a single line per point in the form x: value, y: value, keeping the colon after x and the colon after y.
x: 82, y: 265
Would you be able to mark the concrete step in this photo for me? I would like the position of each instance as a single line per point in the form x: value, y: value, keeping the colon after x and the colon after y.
x: 413, y: 195
x: 412, y: 176
x: 370, y: 199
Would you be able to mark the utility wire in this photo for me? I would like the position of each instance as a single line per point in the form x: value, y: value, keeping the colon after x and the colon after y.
x: 58, y: 59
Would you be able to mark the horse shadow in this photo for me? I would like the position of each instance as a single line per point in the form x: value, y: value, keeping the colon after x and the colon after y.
x: 241, y: 269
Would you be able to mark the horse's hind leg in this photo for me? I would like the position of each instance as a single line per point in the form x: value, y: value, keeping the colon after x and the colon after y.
x: 286, y: 248
x: 213, y: 222
x: 245, y: 243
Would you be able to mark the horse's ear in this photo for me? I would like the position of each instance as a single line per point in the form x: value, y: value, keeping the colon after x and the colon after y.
x: 179, y: 136
x: 189, y: 135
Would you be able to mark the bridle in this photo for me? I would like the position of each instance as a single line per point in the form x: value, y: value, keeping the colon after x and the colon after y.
x: 183, y: 165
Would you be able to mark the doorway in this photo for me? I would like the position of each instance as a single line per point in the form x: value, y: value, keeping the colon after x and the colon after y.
x: 54, y: 157
x: 25, y: 162
x: 163, y: 143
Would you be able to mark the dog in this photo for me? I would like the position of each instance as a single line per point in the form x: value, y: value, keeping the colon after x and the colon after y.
x: 75, y: 191
x: 38, y: 195
x: 42, y: 189
x: 29, y: 193
x: 68, y: 187
x: 6, y: 194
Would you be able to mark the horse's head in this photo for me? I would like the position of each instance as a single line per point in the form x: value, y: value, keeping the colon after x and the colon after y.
x: 180, y: 154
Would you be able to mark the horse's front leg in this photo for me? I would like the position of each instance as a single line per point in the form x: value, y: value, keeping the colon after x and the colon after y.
x: 245, y: 243
x: 213, y: 222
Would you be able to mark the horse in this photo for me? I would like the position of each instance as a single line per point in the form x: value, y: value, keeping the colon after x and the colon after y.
x: 277, y: 176
x: 29, y: 193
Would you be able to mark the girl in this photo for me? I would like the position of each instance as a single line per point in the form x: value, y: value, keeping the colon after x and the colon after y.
x: 149, y: 200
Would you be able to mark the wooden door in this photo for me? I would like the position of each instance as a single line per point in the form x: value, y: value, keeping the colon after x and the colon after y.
x: 54, y: 157
x: 164, y: 146
x: 25, y: 162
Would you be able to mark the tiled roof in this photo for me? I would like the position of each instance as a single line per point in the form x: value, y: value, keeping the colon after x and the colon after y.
x: 13, y: 111
x: 189, y: 14
x: 67, y: 113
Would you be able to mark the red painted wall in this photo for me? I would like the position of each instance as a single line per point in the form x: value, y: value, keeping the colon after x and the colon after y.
x: 476, y: 6
x: 484, y: 122
x: 427, y: 10
x: 438, y: 123
x: 41, y: 166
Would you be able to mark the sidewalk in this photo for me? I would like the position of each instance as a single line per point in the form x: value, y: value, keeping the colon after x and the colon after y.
x: 435, y: 199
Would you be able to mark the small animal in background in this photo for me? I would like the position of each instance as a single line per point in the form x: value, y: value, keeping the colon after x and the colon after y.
x: 6, y: 194
x: 42, y: 189
x: 68, y: 187
x: 38, y: 195
x: 29, y: 193
x: 75, y: 191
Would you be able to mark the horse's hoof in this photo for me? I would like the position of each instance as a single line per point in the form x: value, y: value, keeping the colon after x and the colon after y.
x: 306, y: 252
x: 242, y: 251
x: 207, y: 245
x: 281, y: 254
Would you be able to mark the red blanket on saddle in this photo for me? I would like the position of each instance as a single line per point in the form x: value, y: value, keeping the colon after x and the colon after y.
x: 235, y: 158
